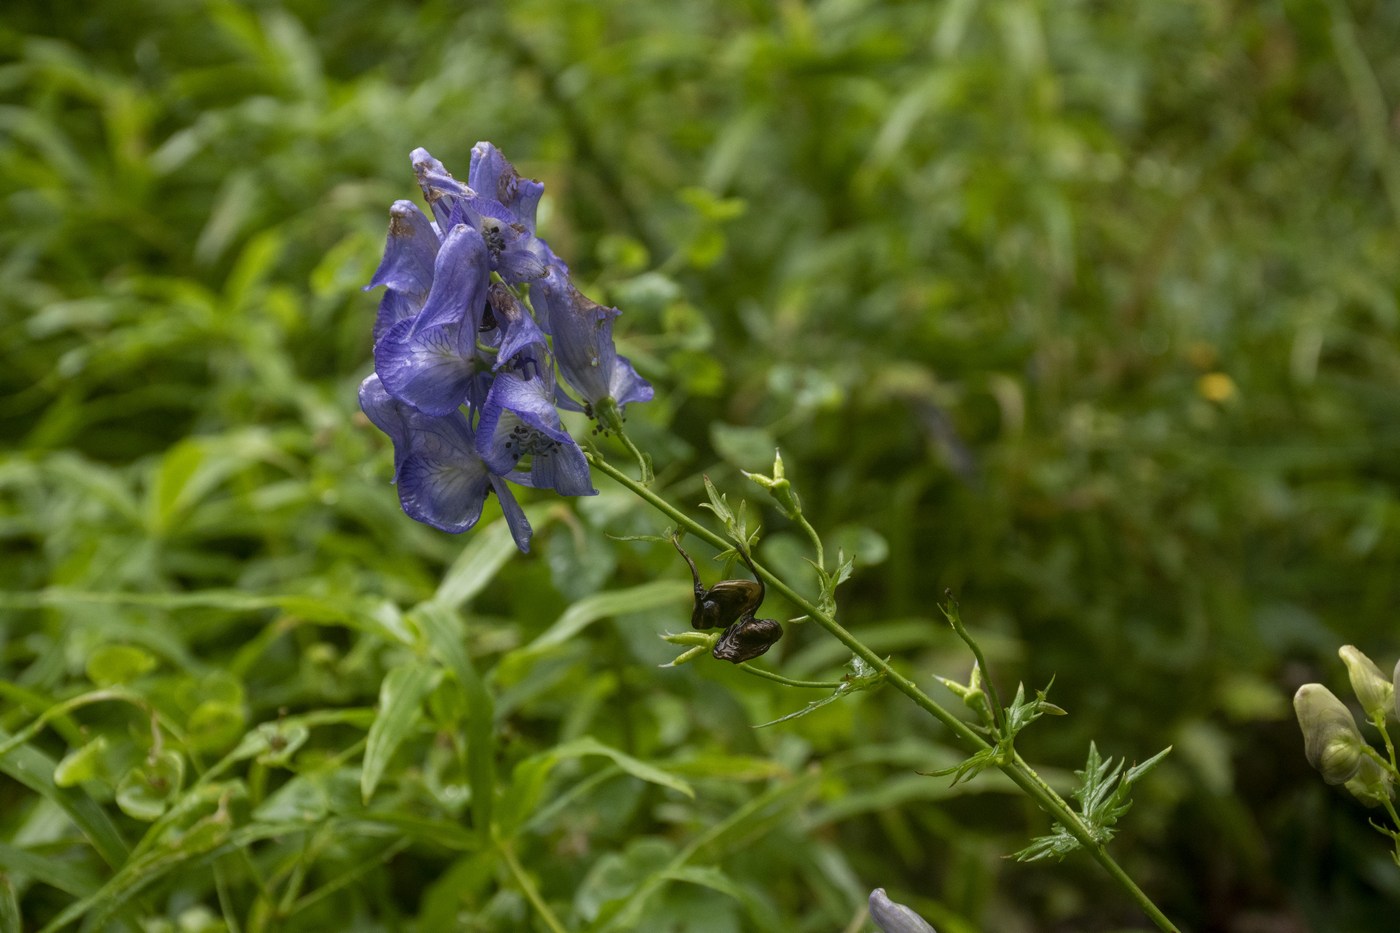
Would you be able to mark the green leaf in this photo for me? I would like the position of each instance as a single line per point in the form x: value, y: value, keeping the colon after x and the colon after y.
x: 401, y: 698
x: 489, y: 549
x: 1103, y: 798
x: 527, y: 784
x: 861, y: 677
x: 87, y: 763
x: 9, y: 906
x: 146, y: 790
x: 764, y: 916
x: 118, y: 664
x: 640, y: 598
x: 62, y: 873
x: 34, y: 769
x: 743, y: 447
x: 587, y: 745
x: 754, y: 818
x: 446, y: 634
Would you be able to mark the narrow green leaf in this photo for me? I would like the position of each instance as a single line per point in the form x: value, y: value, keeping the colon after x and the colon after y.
x: 446, y: 635
x: 764, y: 916
x: 61, y: 873
x: 640, y: 598
x: 759, y: 811
x: 587, y: 745
x: 9, y: 906
x: 34, y: 770
x: 489, y: 549
x: 401, y: 698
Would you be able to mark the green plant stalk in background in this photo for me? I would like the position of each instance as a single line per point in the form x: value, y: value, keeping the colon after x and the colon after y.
x: 1012, y: 765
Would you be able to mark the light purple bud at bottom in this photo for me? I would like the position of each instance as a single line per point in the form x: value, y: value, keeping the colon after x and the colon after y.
x: 895, y: 918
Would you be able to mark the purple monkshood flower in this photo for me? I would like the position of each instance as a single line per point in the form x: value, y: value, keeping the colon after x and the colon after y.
x: 430, y: 360
x: 492, y: 176
x: 464, y: 381
x: 583, y: 343
x: 516, y: 254
x: 519, y: 420
x: 441, y: 478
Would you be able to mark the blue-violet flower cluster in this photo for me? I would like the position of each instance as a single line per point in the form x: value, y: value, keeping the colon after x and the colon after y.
x: 477, y: 320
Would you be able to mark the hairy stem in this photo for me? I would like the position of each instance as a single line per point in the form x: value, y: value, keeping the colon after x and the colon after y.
x: 1020, y: 773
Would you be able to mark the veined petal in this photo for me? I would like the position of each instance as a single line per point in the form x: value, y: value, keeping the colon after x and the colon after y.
x: 447, y: 494
x: 410, y: 250
x: 518, y: 329
x: 387, y: 414
x: 425, y: 367
x: 493, y: 176
x: 394, y: 307
x: 460, y: 278
x: 582, y: 332
x: 626, y: 386
x: 583, y: 344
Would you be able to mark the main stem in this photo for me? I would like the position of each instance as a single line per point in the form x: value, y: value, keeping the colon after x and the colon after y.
x: 1017, y: 770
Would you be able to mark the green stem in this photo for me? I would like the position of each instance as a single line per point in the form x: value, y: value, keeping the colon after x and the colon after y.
x: 955, y: 619
x: 1379, y: 723
x: 816, y: 540
x: 532, y: 894
x: 1020, y: 773
x: 779, y: 678
x: 643, y: 463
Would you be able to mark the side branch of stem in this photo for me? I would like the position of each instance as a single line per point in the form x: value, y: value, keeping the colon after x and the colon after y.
x: 1016, y: 769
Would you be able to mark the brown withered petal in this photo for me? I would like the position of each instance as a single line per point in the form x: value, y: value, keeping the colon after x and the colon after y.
x: 747, y: 639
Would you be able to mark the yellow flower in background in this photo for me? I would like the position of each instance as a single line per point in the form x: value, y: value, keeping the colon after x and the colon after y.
x: 1216, y: 387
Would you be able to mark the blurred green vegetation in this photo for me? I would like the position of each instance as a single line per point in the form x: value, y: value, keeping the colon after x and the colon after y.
x: 1089, y: 312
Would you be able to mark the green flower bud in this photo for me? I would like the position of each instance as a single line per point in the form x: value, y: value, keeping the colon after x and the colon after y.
x: 1371, y: 786
x: 972, y: 694
x: 1395, y: 685
x: 1373, y: 691
x: 1330, y: 737
x: 779, y: 488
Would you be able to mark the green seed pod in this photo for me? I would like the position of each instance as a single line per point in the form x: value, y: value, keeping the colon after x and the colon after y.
x: 1375, y: 693
x: 1330, y: 737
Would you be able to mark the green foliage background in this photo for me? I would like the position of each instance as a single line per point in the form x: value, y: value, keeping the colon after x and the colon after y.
x: 1089, y: 312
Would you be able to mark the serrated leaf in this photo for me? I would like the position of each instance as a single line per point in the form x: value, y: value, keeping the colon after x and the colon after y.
x: 401, y: 698
x: 861, y: 677
x: 969, y: 768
